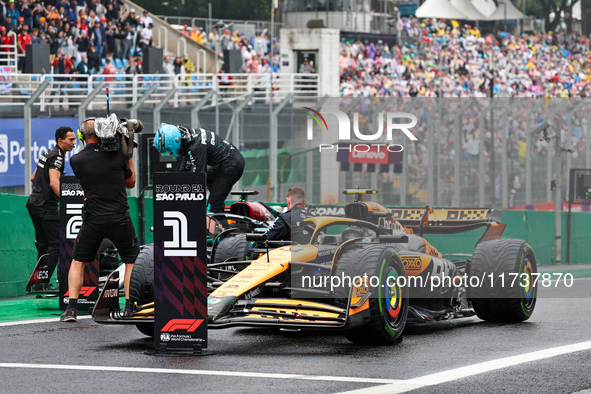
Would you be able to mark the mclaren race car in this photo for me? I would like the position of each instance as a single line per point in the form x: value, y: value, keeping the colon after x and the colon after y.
x: 366, y: 275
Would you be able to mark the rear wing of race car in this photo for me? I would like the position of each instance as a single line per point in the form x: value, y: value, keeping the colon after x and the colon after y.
x: 451, y: 220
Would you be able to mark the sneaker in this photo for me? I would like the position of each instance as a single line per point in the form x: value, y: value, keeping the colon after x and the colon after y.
x: 69, y: 315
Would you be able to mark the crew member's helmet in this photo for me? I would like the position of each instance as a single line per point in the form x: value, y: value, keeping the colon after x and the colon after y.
x: 168, y: 140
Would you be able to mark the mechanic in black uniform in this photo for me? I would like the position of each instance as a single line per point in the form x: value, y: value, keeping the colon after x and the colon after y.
x: 203, y: 151
x: 43, y: 201
x: 288, y: 226
x: 104, y: 175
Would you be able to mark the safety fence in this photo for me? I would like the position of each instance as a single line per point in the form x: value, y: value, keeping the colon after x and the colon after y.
x: 469, y: 152
x: 64, y: 91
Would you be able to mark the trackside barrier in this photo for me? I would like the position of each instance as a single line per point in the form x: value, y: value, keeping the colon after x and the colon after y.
x: 18, y: 254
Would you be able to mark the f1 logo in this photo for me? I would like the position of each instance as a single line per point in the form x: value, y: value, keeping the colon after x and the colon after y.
x: 85, y: 291
x: 75, y: 222
x: 180, y: 244
x: 190, y: 325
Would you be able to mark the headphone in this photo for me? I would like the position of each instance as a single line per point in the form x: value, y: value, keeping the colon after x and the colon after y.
x: 79, y: 133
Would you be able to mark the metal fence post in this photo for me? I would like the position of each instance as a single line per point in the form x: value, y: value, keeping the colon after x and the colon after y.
x: 195, y: 111
x: 569, y: 140
x: 27, y: 145
x: 431, y: 156
x: 458, y: 141
x: 133, y: 114
x: 481, y: 185
x: 161, y: 104
x: 273, y: 146
x: 529, y: 151
x: 84, y: 104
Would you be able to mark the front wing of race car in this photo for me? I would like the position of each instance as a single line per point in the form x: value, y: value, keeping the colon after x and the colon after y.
x: 231, y: 311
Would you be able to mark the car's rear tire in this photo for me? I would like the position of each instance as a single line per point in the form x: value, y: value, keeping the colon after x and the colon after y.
x: 388, y: 304
x: 141, y: 287
x: 234, y: 248
x: 507, y: 293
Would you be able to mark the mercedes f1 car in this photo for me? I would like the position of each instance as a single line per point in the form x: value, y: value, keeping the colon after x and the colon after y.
x: 366, y: 275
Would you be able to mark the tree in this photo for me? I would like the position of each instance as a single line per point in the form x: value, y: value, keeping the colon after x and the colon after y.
x: 221, y: 9
x: 559, y: 8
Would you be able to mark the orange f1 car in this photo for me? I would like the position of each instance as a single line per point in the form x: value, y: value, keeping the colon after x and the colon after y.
x: 365, y: 275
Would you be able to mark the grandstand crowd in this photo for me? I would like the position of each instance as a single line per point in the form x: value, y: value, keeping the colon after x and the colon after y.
x: 101, y: 36
x: 453, y: 60
x: 434, y: 57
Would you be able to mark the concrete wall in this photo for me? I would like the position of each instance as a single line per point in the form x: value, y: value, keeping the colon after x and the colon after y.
x: 326, y: 42
x: 341, y: 20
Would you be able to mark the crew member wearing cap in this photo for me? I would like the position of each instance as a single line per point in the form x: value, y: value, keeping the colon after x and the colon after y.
x: 203, y: 151
x: 104, y: 175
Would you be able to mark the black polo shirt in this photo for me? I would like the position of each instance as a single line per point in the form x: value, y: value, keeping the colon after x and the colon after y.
x: 102, y: 175
x: 43, y: 199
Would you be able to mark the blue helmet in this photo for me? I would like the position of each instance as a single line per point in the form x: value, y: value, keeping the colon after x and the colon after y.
x: 168, y: 140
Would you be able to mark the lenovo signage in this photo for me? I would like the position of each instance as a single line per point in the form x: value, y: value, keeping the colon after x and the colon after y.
x: 370, y: 154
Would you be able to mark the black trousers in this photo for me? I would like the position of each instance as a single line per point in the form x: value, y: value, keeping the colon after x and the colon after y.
x: 47, y: 239
x: 220, y: 180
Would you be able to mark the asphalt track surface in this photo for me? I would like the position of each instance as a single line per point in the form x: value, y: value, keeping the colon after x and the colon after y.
x: 550, y: 353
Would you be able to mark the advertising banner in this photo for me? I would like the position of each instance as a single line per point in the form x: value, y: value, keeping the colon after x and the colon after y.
x: 71, y: 203
x: 180, y: 272
x: 12, y: 149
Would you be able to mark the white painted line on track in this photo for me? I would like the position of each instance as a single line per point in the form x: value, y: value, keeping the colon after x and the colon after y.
x: 36, y: 321
x: 474, y: 369
x: 100, y: 368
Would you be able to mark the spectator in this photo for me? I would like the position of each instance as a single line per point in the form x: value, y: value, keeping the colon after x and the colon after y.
x: 62, y: 65
x: 82, y: 67
x: 23, y: 39
x: 127, y: 37
x: 12, y: 11
x: 178, y: 67
x: 261, y: 43
x: 146, y: 36
x: 213, y: 39
x: 306, y: 67
x: 35, y: 36
x: 8, y: 23
x: 27, y: 14
x: 167, y: 66
x: 188, y: 64
x: 94, y: 60
x: 98, y: 37
x: 195, y: 33
x: 132, y: 19
x: 133, y: 67
x: 226, y: 41
x: 83, y: 43
x: 109, y: 70
x: 5, y: 39
x: 146, y: 19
